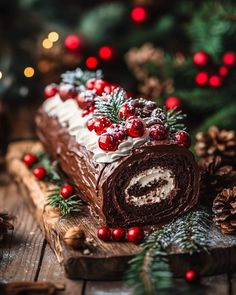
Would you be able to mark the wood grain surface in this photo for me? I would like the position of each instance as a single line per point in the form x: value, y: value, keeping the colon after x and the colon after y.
x: 109, y: 258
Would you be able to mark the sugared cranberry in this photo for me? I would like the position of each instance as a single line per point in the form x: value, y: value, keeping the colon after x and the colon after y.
x: 135, y: 127
x: 182, y: 138
x: 30, y: 159
x: 110, y: 88
x: 118, y: 234
x: 67, y: 91
x: 108, y: 142
x: 158, y: 132
x: 126, y: 111
x: 99, y: 86
x: 50, y: 90
x: 67, y: 191
x: 85, y: 113
x: 135, y: 235
x: 118, y: 131
x: 39, y: 173
x: 90, y: 124
x: 90, y: 83
x: 104, y: 234
x: 85, y: 100
x: 100, y: 124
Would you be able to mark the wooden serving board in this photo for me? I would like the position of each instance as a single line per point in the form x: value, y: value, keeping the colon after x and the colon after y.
x: 106, y: 261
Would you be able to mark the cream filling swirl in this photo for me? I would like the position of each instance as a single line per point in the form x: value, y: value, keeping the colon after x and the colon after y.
x: 70, y: 115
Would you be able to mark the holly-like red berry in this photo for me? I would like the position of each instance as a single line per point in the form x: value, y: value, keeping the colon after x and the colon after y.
x: 223, y: 71
x: 215, y: 81
x: 201, y: 59
x: 191, y: 276
x: 104, y: 234
x: 118, y: 234
x: 126, y: 111
x: 135, y: 235
x: 67, y: 91
x: 39, y: 173
x: 118, y: 131
x: 67, y: 191
x: 30, y: 159
x: 90, y: 84
x: 108, y: 142
x: 100, y: 124
x: 50, y: 90
x: 90, y: 124
x: 173, y: 102
x: 99, y: 86
x: 134, y: 127
x: 85, y: 100
x: 201, y: 78
x: 182, y: 138
x: 158, y: 132
x: 229, y: 59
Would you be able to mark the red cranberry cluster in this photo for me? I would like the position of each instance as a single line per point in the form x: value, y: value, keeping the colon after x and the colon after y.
x: 133, y: 235
x: 208, y: 76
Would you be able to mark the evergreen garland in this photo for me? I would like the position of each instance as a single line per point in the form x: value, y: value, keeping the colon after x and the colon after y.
x: 111, y: 106
x: 149, y: 271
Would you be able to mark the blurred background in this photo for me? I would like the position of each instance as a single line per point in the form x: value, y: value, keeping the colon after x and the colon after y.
x: 179, y: 53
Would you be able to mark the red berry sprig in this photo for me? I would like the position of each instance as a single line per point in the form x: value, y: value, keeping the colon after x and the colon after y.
x: 104, y: 234
x: 201, y: 78
x: 118, y: 234
x: 158, y: 132
x: 66, y: 191
x: 182, y: 138
x: 135, y: 235
x: 135, y: 127
x: 39, y: 173
x: 30, y: 159
x: 173, y: 102
x: 201, y: 58
x: 50, y: 90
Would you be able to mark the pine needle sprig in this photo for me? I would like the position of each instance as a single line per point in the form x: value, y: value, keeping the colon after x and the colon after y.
x: 66, y: 206
x: 174, y: 119
x: 111, y: 106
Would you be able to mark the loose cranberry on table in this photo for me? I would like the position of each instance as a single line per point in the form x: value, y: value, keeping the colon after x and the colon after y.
x: 108, y: 142
x: 126, y: 111
x: 118, y: 131
x: 118, y: 234
x: 135, y: 235
x: 67, y: 91
x: 50, y: 90
x: 39, y: 173
x: 182, y: 138
x: 66, y: 191
x: 135, y: 127
x: 104, y: 234
x: 158, y: 132
x: 99, y: 86
x: 30, y: 159
x: 100, y: 124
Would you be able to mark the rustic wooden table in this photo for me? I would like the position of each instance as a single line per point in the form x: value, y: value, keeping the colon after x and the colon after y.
x: 26, y: 256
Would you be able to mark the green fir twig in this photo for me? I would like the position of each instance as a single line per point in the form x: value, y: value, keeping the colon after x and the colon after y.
x: 174, y: 120
x: 66, y: 206
x: 110, y: 107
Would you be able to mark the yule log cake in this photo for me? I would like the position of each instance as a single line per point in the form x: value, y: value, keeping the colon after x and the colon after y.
x: 127, y: 158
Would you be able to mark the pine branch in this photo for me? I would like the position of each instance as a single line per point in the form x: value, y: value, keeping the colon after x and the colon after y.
x: 174, y: 120
x: 110, y: 107
x: 79, y: 77
x: 66, y: 206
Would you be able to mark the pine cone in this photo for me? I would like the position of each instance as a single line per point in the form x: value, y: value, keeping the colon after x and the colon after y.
x: 216, y: 142
x: 215, y: 176
x: 5, y: 224
x: 224, y: 208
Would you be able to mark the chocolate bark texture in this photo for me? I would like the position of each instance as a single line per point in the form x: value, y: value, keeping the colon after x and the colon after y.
x: 156, y: 182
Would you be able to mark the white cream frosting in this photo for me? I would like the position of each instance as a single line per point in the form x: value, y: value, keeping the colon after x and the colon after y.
x: 156, y: 195
x: 69, y: 114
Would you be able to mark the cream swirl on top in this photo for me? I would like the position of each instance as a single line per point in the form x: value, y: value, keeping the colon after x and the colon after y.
x: 70, y: 115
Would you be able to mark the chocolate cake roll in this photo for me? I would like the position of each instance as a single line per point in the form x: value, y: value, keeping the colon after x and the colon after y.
x: 126, y: 157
